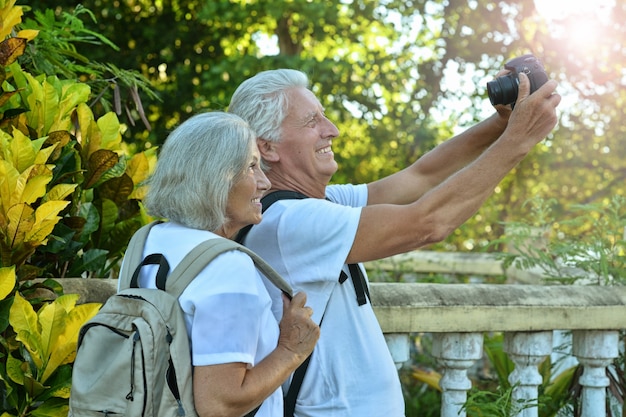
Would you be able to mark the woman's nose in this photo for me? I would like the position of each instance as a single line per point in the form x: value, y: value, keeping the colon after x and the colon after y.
x: 262, y: 182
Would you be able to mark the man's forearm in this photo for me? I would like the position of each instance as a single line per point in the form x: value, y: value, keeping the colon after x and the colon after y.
x: 437, y: 165
x: 460, y: 150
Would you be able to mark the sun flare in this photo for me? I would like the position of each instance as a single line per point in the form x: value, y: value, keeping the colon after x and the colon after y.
x: 580, y: 23
x: 557, y: 10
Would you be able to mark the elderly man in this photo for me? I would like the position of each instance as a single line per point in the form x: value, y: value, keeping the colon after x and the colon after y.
x: 316, y: 235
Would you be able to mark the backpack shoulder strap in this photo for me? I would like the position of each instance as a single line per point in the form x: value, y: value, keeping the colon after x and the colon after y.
x: 134, y: 254
x: 271, y: 198
x: 266, y: 202
x: 204, y: 253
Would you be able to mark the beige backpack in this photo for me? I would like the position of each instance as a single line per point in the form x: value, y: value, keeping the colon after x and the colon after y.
x: 133, y: 357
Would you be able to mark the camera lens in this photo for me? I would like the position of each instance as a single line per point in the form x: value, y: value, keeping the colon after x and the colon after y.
x: 503, y: 90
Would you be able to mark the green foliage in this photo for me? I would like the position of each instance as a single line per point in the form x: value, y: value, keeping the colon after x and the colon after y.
x: 592, y: 253
x: 491, y: 395
x: 397, y: 77
x: 54, y: 52
x: 420, y: 381
x: 71, y: 193
x: 38, y: 349
x: 91, y: 171
x: 589, y: 248
x: 494, y: 404
x: 69, y: 202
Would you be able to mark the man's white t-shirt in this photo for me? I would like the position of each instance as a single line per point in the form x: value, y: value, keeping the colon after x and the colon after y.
x: 227, y: 308
x: 307, y: 241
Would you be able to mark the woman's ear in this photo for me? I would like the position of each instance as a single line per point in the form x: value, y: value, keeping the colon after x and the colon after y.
x: 267, y: 149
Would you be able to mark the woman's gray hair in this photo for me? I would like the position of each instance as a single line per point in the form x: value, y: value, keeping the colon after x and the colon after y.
x: 262, y: 100
x: 197, y: 167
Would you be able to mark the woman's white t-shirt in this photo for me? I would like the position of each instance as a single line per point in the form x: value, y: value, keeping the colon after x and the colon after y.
x: 227, y: 308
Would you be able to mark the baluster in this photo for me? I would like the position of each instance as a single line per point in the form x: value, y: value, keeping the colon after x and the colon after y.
x: 399, y: 347
x: 456, y: 352
x: 527, y: 350
x: 595, y: 350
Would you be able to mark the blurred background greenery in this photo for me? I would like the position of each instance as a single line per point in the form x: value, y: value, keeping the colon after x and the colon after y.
x: 397, y: 77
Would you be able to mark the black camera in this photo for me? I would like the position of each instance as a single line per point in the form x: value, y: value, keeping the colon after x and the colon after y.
x: 503, y: 90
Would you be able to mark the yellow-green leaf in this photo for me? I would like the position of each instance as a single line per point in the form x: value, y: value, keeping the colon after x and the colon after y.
x: 59, y: 192
x: 28, y: 34
x: 43, y: 154
x: 4, y: 144
x: 20, y: 185
x: 72, y: 95
x: 51, y: 318
x: 46, y: 217
x: 14, y: 370
x: 49, y: 210
x: 36, y: 188
x: 68, y: 301
x: 51, y: 321
x: 138, y: 169
x: 21, y: 220
x: 64, y: 348
x: 22, y: 316
x: 8, y: 181
x: 51, y: 409
x: 61, y: 392
x: 22, y: 152
x: 49, y: 109
x: 90, y: 134
x: 430, y: 378
x: 12, y: 15
x: 24, y: 321
x: 111, y: 134
x: 7, y: 281
x: 61, y: 354
x: 34, y: 101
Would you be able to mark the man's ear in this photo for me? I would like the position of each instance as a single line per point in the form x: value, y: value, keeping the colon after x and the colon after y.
x: 267, y: 149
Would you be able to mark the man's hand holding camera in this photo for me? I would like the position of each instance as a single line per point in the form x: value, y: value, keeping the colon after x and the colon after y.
x: 534, y: 116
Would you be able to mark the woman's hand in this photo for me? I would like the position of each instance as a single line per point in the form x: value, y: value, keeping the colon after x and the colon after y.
x: 298, y: 333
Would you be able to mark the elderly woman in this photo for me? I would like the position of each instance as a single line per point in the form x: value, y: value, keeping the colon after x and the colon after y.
x: 208, y: 184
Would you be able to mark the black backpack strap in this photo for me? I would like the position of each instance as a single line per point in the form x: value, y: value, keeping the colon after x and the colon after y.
x: 360, y: 284
x: 134, y: 255
x: 296, y: 381
x: 294, y: 387
x: 266, y: 202
x: 162, y: 272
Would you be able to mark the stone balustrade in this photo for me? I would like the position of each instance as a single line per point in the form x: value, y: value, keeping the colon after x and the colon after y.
x: 457, y: 315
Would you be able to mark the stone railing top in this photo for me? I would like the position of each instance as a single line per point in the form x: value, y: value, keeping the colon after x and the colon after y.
x: 409, y: 307
x: 415, y: 307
